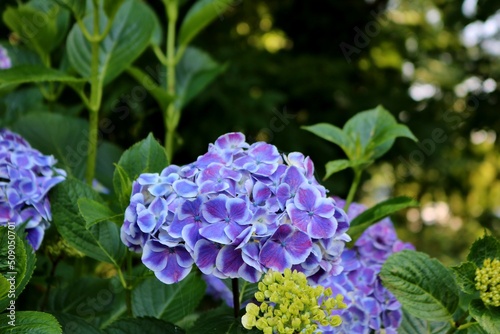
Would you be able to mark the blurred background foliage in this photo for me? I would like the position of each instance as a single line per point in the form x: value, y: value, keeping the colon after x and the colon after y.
x: 432, y: 63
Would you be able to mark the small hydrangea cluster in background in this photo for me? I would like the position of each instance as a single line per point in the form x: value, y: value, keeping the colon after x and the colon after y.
x: 26, y: 176
x: 238, y: 211
x: 4, y: 59
x: 287, y: 304
x: 488, y: 282
x: 370, y: 306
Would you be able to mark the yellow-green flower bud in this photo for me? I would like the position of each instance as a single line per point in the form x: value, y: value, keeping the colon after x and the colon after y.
x: 488, y: 282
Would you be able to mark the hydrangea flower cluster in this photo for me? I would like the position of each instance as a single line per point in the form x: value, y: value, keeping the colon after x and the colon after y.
x: 26, y: 176
x: 4, y: 59
x: 488, y: 282
x: 287, y: 304
x: 238, y: 211
x: 370, y: 306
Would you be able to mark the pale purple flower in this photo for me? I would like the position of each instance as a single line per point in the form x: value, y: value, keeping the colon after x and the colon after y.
x: 238, y: 211
x: 5, y: 61
x: 26, y: 176
x: 371, y: 308
x: 170, y: 264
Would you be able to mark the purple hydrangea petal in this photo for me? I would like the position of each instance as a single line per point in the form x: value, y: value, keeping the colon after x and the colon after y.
x: 185, y: 188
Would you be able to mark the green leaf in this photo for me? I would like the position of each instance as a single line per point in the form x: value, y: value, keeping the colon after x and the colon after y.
x: 424, y: 286
x: 465, y: 274
x: 43, y: 34
x: 77, y: 7
x: 34, y: 73
x: 144, y: 325
x: 100, y: 241
x: 158, y: 93
x: 146, y: 156
x: 195, y: 71
x: 375, y: 130
x: 97, y: 301
x: 335, y: 166
x: 19, y: 103
x: 199, y: 16
x: 95, y: 212
x: 473, y: 329
x: 218, y: 321
x: 23, y: 265
x: 333, y: 134
x: 74, y: 324
x: 487, y: 317
x: 111, y: 7
x: 413, y: 325
x: 30, y: 322
x: 378, y: 212
x: 170, y: 302
x: 20, y: 55
x: 129, y: 36
x: 66, y: 138
x: 484, y: 248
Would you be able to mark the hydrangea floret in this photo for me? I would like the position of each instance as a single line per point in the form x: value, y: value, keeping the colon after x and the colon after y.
x: 488, y: 282
x: 4, y: 59
x: 26, y: 176
x: 288, y: 304
x: 370, y: 306
x: 237, y: 211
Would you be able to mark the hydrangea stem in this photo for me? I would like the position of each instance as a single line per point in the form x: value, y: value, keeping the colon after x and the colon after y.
x: 95, y: 98
x: 354, y: 188
x: 171, y: 113
x: 236, y: 296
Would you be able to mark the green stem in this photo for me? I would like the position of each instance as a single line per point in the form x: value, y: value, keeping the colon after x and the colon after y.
x: 354, y: 188
x: 171, y: 117
x: 95, y: 100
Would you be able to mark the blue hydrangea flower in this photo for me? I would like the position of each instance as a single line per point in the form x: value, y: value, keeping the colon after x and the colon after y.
x: 26, y: 176
x: 371, y: 307
x: 4, y: 59
x: 238, y: 210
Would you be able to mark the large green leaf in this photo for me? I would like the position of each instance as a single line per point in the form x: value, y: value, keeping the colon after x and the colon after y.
x: 129, y: 36
x: 19, y: 103
x: 77, y: 7
x: 424, y: 286
x: 378, y: 212
x: 158, y: 93
x: 374, y: 131
x: 20, y: 55
x: 99, y: 241
x: 465, y: 274
x: 484, y: 248
x: 333, y: 134
x: 487, y: 317
x: 66, y: 138
x: 335, y: 166
x: 199, y: 16
x: 23, y: 265
x: 195, y: 71
x: 96, y: 212
x: 413, y: 325
x: 170, y: 302
x: 42, y: 25
x: 98, y: 301
x: 34, y: 73
x: 30, y: 322
x: 144, y: 325
x: 74, y: 324
x: 218, y: 321
x: 146, y: 156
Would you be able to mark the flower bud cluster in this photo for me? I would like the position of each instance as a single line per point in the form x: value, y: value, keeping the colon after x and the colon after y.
x: 287, y: 304
x: 26, y: 176
x: 488, y: 282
